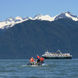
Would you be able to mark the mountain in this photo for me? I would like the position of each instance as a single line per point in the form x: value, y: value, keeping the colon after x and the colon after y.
x: 66, y: 15
x: 29, y: 37
x: 10, y: 22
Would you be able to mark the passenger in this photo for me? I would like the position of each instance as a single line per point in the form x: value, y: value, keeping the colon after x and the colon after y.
x: 41, y: 59
x: 38, y: 59
x: 32, y: 60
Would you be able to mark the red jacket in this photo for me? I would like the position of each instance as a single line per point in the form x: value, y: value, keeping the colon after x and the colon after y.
x: 41, y: 59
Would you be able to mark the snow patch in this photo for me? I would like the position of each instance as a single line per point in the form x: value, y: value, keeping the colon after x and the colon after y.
x: 10, y: 22
x: 43, y: 17
x: 73, y: 18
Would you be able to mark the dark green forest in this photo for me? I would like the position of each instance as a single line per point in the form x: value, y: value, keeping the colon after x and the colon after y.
x: 34, y: 37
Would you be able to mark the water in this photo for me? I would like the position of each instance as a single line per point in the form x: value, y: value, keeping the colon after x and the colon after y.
x: 17, y: 68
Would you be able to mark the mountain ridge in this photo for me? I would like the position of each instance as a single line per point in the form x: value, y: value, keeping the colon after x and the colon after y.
x: 10, y: 22
x: 34, y: 37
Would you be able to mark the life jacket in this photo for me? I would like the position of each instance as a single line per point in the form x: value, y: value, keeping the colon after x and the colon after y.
x: 32, y: 59
x: 41, y: 59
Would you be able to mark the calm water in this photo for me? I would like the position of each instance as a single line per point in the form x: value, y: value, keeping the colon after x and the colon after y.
x: 51, y: 69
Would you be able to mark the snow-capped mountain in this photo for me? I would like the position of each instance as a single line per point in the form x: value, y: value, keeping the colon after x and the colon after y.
x: 66, y: 15
x: 60, y: 16
x: 10, y: 22
x: 43, y: 17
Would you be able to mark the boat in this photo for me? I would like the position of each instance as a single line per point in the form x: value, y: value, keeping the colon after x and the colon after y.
x: 35, y: 64
x: 56, y: 55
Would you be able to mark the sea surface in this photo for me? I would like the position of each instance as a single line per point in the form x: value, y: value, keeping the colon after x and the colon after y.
x: 59, y: 68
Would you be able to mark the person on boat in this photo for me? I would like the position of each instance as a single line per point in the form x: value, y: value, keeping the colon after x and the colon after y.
x: 32, y: 60
x: 42, y: 60
x: 38, y: 59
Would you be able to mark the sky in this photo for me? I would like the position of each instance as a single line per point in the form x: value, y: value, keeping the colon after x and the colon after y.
x: 30, y: 8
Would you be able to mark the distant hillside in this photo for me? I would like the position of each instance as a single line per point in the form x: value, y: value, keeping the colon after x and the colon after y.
x: 34, y: 37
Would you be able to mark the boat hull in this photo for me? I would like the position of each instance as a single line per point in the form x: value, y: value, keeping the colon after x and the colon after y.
x: 57, y: 57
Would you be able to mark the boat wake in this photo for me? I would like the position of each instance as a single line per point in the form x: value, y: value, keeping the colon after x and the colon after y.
x: 43, y: 65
